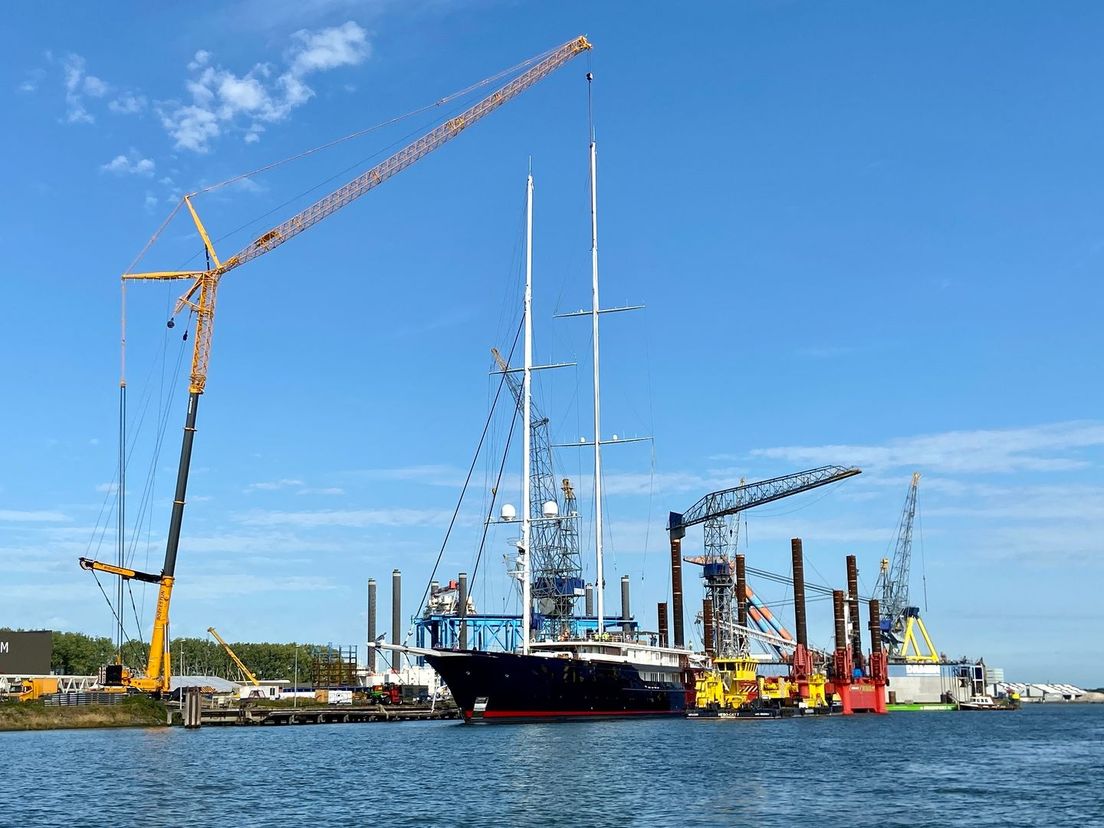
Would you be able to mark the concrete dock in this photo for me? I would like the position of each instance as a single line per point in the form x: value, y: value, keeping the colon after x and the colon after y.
x: 323, y: 714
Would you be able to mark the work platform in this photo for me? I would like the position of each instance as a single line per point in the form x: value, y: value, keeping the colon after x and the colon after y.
x: 498, y: 633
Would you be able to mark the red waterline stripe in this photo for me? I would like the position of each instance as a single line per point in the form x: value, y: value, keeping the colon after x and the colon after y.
x: 507, y: 714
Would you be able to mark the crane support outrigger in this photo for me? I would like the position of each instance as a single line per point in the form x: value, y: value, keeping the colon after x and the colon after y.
x: 200, y: 299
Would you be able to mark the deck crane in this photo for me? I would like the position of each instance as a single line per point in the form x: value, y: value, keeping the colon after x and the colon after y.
x: 200, y: 300
x: 717, y: 571
x: 234, y: 657
x: 901, y: 622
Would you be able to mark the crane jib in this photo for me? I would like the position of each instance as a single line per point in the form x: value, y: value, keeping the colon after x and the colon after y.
x: 739, y: 498
x: 404, y: 157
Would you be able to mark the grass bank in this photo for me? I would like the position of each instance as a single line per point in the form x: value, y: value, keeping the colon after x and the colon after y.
x: 136, y: 711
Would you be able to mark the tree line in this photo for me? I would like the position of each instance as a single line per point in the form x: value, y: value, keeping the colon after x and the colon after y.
x: 78, y: 654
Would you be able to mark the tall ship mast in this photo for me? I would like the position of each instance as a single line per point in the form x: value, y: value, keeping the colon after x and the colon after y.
x: 595, y: 308
x: 607, y: 673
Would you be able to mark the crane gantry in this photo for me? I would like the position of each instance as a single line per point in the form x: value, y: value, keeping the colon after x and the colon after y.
x: 200, y: 299
x: 717, y: 571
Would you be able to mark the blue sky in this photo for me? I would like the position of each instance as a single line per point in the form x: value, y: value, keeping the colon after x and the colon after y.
x: 865, y: 234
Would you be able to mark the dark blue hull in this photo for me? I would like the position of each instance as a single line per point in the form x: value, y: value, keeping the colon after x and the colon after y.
x: 511, y: 687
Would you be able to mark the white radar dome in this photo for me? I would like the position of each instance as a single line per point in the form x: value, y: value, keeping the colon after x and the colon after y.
x: 508, y: 512
x: 550, y: 509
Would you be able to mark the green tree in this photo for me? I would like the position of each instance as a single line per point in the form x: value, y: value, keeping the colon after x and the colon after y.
x: 77, y: 654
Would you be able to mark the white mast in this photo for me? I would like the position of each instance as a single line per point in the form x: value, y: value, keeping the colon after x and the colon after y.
x: 526, y: 396
x: 599, y: 587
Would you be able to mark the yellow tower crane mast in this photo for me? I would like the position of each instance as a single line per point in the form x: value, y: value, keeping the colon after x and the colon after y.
x: 200, y: 300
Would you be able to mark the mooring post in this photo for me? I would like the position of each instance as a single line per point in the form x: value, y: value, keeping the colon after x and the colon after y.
x: 371, y: 625
x: 462, y: 610
x: 396, y: 618
x: 625, y: 614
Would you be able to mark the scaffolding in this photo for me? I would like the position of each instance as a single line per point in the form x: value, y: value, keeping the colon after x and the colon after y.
x: 333, y: 667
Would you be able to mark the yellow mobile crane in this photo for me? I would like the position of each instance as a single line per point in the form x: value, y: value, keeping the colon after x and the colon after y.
x: 200, y: 300
x: 234, y: 657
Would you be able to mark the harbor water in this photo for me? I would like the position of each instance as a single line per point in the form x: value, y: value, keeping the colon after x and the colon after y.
x: 1038, y: 766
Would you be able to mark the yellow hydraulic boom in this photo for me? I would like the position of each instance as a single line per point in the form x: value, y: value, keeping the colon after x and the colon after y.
x: 234, y: 657
x: 200, y: 299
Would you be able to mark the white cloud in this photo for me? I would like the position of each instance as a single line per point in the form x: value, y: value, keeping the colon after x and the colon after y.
x: 31, y: 82
x: 345, y: 45
x: 221, y: 99
x: 272, y: 485
x: 17, y: 516
x: 107, y: 487
x: 210, y: 587
x: 73, y: 71
x: 130, y: 164
x: 128, y: 104
x: 95, y: 87
x: 1041, y: 448
x: 429, y: 474
x: 191, y: 127
x: 328, y: 490
x: 1070, y: 504
x: 200, y: 59
x: 668, y: 482
x: 151, y: 201
x: 355, y: 518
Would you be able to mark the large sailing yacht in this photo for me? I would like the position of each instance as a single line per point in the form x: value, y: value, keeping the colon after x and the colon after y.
x: 606, y: 674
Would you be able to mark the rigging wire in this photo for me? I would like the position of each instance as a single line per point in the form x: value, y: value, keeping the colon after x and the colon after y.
x: 144, y: 510
x: 494, y: 495
x: 464, y: 489
x: 110, y: 605
x: 164, y: 408
x: 145, y: 401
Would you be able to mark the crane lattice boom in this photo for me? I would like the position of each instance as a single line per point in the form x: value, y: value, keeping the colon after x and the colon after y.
x: 738, y: 498
x: 206, y: 281
x: 895, y: 583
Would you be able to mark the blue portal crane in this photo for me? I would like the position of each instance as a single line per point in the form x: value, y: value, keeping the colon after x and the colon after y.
x: 717, y: 569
